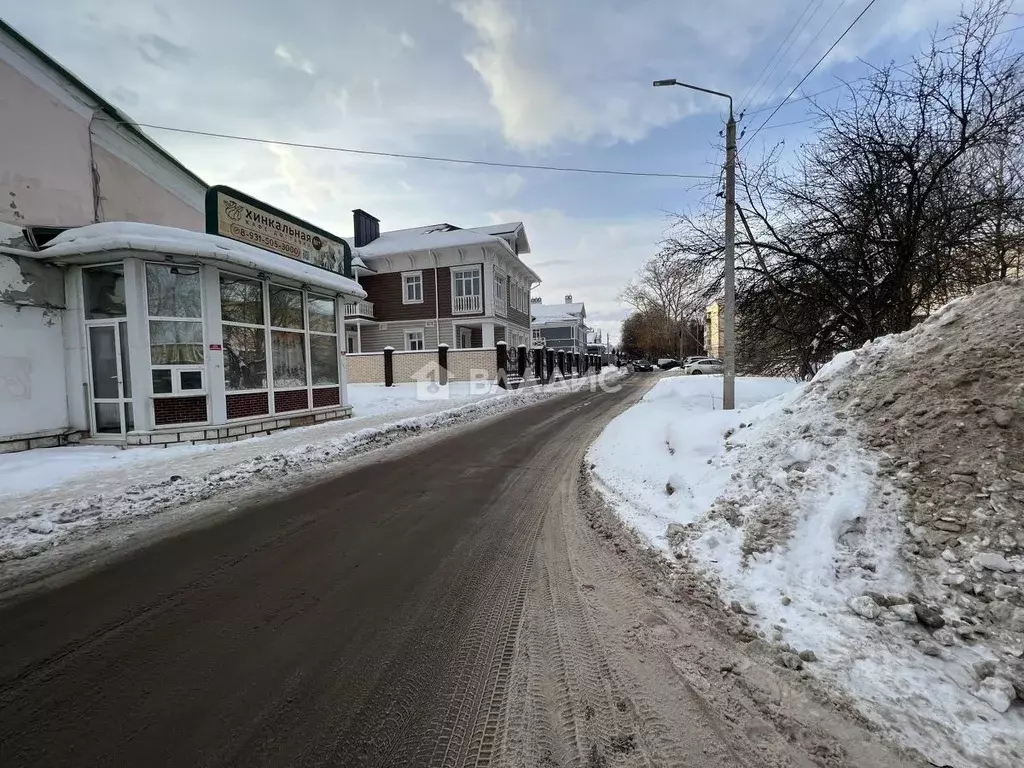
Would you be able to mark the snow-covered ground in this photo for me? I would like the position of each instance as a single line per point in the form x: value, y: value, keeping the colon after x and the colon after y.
x: 781, y: 506
x: 52, y: 496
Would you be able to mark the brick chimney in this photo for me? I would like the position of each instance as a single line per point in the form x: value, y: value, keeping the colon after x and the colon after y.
x: 568, y: 298
x: 365, y: 227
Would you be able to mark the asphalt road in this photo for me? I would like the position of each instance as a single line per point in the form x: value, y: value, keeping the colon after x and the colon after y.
x: 369, y: 620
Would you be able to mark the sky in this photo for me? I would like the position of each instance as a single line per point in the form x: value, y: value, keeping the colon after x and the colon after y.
x: 549, y: 82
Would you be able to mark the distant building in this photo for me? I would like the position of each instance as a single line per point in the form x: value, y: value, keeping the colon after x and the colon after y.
x: 714, y: 338
x: 560, y: 326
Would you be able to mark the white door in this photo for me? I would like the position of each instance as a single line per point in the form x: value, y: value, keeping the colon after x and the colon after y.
x: 110, y: 409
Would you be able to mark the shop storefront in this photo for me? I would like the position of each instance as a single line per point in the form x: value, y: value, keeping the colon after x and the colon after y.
x: 174, y: 336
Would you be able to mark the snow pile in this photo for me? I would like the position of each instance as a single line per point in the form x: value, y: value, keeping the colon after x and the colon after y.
x: 33, y: 523
x: 869, y: 523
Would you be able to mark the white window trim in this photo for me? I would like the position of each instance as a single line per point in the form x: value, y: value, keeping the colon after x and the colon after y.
x: 418, y: 274
x: 476, y: 271
x: 408, y: 332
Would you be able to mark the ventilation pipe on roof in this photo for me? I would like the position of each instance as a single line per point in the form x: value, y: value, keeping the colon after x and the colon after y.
x: 568, y: 298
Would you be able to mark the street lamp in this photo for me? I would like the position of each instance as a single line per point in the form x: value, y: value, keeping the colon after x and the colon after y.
x: 729, y: 319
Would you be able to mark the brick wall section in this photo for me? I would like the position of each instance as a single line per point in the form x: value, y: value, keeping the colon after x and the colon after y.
x: 326, y: 396
x: 244, y: 405
x: 463, y: 363
x: 365, y: 368
x: 420, y: 366
x: 415, y: 366
x: 179, y: 410
x: 297, y: 400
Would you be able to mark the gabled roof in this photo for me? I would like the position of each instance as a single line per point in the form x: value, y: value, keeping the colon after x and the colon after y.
x: 514, y: 231
x: 546, y: 313
x: 437, y: 236
x: 113, y: 113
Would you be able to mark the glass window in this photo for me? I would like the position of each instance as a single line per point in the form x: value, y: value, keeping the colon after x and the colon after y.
x: 467, y: 282
x: 104, y: 292
x: 285, y: 308
x: 175, y: 343
x: 162, y: 382
x: 414, y: 340
x: 241, y: 300
x: 321, y: 315
x: 413, y: 287
x: 173, y: 291
x: 323, y: 359
x: 288, y: 351
x: 245, y: 358
x: 191, y: 379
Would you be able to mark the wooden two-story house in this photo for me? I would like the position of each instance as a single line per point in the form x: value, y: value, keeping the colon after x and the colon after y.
x: 439, y: 284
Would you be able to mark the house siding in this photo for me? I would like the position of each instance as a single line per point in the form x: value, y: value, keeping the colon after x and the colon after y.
x: 376, y: 338
x: 385, y: 291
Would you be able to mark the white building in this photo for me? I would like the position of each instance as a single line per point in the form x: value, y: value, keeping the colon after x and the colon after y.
x: 133, y: 333
x: 560, y: 326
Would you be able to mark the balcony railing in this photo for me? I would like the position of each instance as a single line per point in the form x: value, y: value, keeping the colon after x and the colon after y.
x: 359, y: 309
x: 464, y: 305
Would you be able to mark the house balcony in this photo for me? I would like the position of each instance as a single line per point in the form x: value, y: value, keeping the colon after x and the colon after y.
x: 465, y: 305
x: 359, y: 310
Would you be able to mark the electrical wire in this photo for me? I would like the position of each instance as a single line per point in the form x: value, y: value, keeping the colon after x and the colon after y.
x: 807, y: 47
x: 431, y: 158
x: 809, y: 96
x: 758, y: 84
x: 816, y: 65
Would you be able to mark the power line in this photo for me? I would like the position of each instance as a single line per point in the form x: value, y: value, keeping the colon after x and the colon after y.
x: 431, y: 158
x: 816, y: 65
x: 807, y: 47
x: 809, y: 96
x: 752, y: 92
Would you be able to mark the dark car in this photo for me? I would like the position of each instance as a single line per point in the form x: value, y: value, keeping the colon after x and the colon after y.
x: 668, y: 363
x: 642, y: 366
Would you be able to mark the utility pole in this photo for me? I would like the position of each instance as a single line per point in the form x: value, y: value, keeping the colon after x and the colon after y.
x: 729, y: 311
x: 729, y: 329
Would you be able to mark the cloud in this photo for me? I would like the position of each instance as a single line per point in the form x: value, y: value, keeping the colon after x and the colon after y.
x: 295, y: 62
x: 507, y: 186
x: 161, y: 51
x: 407, y: 40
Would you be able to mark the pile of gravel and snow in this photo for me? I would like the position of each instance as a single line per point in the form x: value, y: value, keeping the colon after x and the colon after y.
x: 869, y: 525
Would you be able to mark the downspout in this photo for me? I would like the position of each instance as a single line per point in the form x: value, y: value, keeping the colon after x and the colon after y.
x: 437, y: 303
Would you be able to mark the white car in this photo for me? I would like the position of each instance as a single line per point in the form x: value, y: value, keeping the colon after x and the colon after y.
x: 703, y: 365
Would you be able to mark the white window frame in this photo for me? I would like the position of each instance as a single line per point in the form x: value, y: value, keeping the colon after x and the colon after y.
x: 476, y: 272
x: 409, y: 333
x: 406, y: 277
x: 500, y: 297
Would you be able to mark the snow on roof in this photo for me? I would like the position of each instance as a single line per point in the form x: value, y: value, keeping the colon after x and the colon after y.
x: 425, y: 238
x: 546, y: 313
x: 509, y: 228
x: 122, y: 236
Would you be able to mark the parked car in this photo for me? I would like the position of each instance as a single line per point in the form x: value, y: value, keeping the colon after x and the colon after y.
x: 692, y: 359
x: 667, y: 363
x: 642, y: 366
x: 704, y: 365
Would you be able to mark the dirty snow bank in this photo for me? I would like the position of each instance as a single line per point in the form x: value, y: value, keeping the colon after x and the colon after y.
x: 872, y: 520
x: 163, y: 479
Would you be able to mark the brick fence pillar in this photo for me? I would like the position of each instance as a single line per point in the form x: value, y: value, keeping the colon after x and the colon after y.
x: 551, y: 365
x: 538, y: 364
x: 521, y: 361
x: 389, y: 367
x: 502, y: 361
x: 561, y: 362
x: 579, y: 369
x: 442, y: 364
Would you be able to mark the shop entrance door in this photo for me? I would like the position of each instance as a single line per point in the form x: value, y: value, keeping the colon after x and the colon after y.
x: 111, y: 390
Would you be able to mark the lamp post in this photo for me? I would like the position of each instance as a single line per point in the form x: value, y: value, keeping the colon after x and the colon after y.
x: 729, y: 315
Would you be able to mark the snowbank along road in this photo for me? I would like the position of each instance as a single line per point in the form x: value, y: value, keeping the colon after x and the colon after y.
x: 466, y: 604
